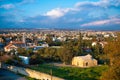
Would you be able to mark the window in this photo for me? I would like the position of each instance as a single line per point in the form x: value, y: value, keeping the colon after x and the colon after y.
x: 77, y: 63
x: 86, y: 64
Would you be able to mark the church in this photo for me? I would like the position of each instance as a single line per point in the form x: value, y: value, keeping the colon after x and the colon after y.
x: 84, y: 61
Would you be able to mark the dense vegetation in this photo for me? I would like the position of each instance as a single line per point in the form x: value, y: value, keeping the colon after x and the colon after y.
x: 112, y: 53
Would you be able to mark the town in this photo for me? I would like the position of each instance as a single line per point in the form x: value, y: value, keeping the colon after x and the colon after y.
x: 59, y: 39
x: 55, y: 51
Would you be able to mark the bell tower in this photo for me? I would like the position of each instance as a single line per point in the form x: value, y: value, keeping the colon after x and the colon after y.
x: 23, y: 38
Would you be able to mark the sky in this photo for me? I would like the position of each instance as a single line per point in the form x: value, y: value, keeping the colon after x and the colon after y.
x: 60, y: 14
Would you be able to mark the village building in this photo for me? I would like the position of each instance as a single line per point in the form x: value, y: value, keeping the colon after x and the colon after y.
x: 36, y: 48
x: 13, y: 45
x: 102, y: 43
x: 94, y: 44
x: 24, y: 59
x: 84, y: 61
x: 44, y: 45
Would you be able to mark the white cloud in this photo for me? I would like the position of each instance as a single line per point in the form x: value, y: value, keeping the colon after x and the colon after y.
x: 58, y: 12
x: 117, y: 22
x: 7, y: 6
x: 22, y: 20
x: 101, y: 3
x: 26, y: 1
x: 102, y: 22
x: 74, y: 20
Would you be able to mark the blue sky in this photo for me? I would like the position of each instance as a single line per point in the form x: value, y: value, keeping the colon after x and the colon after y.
x: 68, y: 14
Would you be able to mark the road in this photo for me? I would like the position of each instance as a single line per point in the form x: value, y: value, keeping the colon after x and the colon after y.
x: 8, y: 75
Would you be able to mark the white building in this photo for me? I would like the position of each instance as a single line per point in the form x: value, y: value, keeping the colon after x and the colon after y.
x: 25, y: 59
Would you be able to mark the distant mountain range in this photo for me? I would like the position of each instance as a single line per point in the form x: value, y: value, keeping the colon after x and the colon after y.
x: 111, y: 28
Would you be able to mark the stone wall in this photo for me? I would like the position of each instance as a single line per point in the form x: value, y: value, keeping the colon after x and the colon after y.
x: 30, y: 73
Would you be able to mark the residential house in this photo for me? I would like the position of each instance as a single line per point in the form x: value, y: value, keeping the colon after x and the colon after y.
x: 94, y: 44
x: 44, y: 45
x: 102, y: 43
x: 36, y: 48
x: 13, y: 45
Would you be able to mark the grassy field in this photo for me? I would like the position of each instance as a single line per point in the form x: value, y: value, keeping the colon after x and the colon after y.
x: 72, y: 73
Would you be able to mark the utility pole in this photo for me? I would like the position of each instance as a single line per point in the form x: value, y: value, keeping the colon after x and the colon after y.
x: 51, y: 73
x: 0, y: 64
x: 80, y: 42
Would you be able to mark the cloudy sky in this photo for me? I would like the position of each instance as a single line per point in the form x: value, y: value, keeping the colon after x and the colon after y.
x: 61, y: 14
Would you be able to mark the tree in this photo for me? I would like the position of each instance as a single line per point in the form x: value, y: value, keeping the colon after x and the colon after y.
x: 96, y: 50
x: 48, y: 54
x: 29, y: 52
x: 79, y: 45
x: 67, y: 53
x: 49, y: 40
x: 112, y: 52
x: 97, y: 53
x: 36, y: 59
x: 22, y: 51
x: 113, y: 73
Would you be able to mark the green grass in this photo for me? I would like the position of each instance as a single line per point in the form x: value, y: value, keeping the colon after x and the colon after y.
x: 73, y: 73
x: 26, y: 77
x: 29, y: 78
